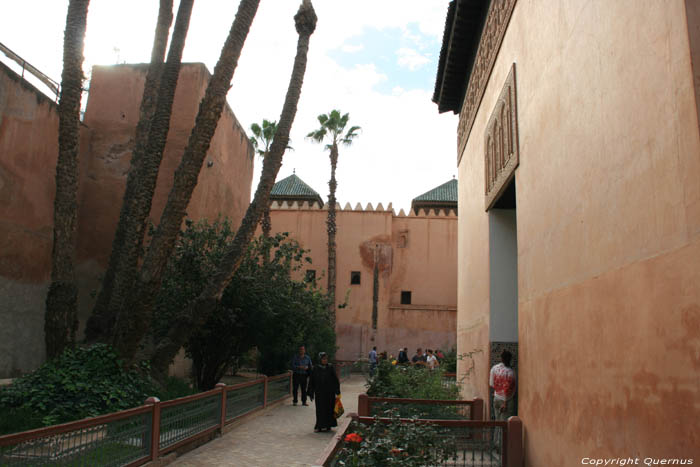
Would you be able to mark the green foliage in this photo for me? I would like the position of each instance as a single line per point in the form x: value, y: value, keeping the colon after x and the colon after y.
x: 409, y: 382
x: 333, y: 125
x: 410, y: 443
x: 79, y: 383
x: 449, y: 363
x: 262, y: 307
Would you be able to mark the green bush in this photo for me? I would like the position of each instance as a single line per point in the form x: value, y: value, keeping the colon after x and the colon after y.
x: 82, y: 382
x: 408, y: 444
x: 409, y: 382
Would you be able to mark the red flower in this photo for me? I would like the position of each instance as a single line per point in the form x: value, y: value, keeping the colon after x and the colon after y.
x: 353, y: 438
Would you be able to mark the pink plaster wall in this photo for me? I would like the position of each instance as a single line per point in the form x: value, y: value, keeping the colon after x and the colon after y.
x: 426, y: 266
x: 608, y: 225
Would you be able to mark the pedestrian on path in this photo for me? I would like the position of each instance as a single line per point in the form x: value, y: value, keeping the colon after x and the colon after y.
x: 301, y: 368
x: 372, y: 361
x: 324, y: 386
x: 502, y: 380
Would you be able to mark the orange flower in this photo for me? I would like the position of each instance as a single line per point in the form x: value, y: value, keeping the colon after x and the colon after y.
x: 353, y: 438
x: 397, y: 451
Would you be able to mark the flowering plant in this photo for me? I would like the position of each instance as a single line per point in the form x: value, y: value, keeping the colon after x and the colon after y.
x: 353, y: 438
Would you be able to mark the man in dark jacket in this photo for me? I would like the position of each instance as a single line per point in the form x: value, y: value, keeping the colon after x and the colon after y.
x: 301, y: 368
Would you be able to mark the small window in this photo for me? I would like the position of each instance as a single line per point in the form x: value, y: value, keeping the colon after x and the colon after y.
x: 310, y: 275
x: 355, y: 278
x: 405, y: 297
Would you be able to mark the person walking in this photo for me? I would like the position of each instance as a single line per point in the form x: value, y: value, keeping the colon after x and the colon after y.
x: 301, y: 368
x: 403, y: 356
x: 324, y: 386
x: 502, y: 380
x: 419, y: 359
x: 372, y: 361
x: 431, y: 360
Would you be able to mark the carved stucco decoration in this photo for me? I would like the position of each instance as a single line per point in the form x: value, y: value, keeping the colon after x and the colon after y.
x: 495, y: 27
x: 501, y: 152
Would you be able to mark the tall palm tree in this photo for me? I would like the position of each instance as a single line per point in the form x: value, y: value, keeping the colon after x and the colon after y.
x: 158, y: 93
x: 61, y: 320
x: 262, y: 139
x: 198, y: 311
x: 136, y: 313
x: 333, y: 128
x: 263, y: 136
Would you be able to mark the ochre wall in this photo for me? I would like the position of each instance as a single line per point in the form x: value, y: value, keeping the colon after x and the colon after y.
x: 608, y: 223
x: 28, y: 151
x: 426, y: 266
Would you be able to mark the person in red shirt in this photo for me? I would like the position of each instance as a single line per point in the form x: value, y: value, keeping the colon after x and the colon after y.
x: 502, y: 380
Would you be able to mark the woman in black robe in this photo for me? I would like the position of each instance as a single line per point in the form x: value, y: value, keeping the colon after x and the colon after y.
x: 323, y: 386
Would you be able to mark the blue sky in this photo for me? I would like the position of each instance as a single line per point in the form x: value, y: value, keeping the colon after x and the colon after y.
x: 406, y: 57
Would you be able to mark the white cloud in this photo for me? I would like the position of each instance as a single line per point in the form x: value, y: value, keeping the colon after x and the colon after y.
x: 405, y: 148
x: 351, y: 49
x: 411, y: 59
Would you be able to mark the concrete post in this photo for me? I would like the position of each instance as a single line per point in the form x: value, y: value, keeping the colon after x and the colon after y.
x: 155, y: 427
x: 223, y: 405
x: 514, y: 443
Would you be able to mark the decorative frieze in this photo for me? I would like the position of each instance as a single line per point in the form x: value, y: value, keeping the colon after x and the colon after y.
x: 495, y: 27
x: 501, y: 152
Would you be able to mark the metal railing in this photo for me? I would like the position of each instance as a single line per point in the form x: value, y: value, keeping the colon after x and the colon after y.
x: 135, y: 436
x: 422, y: 408
x: 54, y: 86
x: 474, y: 443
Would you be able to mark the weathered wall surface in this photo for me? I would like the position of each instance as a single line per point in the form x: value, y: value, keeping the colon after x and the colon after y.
x: 608, y: 224
x: 28, y: 151
x: 413, y: 253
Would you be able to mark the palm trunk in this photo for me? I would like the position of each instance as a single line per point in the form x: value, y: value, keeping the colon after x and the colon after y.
x: 198, y: 311
x: 61, y: 320
x: 134, y: 319
x: 331, y: 227
x: 129, y: 234
x: 266, y: 224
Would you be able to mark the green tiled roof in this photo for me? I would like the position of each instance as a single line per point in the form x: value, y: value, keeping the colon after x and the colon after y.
x: 294, y: 188
x: 445, y: 193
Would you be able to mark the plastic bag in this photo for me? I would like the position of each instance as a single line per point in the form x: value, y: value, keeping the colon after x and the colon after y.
x: 338, y: 410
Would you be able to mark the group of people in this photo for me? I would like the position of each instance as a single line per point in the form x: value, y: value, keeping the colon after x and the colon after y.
x: 318, y: 382
x: 428, y: 359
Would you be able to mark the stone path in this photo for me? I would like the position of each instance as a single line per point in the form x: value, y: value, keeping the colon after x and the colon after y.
x: 283, y: 436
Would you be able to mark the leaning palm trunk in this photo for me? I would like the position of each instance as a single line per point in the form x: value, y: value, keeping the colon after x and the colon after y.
x: 61, y: 319
x: 129, y: 233
x: 199, y: 310
x: 135, y: 316
x: 331, y: 227
x: 266, y: 224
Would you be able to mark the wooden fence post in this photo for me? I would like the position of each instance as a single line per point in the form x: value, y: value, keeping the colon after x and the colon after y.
x: 155, y: 427
x: 363, y: 405
x: 477, y: 412
x: 265, y: 392
x: 223, y: 405
x: 514, y: 443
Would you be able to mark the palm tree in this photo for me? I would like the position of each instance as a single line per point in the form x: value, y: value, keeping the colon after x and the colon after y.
x: 198, y: 311
x: 262, y: 139
x: 333, y: 127
x: 158, y: 95
x: 136, y: 312
x: 61, y: 320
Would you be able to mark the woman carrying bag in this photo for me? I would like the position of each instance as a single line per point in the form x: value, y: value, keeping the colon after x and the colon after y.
x: 324, y: 386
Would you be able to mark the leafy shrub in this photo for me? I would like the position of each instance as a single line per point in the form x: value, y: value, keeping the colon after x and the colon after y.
x: 263, y: 306
x: 449, y: 363
x: 409, y: 382
x: 82, y: 382
x: 413, y: 443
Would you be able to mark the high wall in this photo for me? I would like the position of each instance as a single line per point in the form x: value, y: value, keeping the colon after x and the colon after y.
x: 608, y: 230
x: 413, y: 253
x: 28, y: 151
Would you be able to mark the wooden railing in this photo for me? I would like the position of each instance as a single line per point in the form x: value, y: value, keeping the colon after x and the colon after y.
x: 135, y: 436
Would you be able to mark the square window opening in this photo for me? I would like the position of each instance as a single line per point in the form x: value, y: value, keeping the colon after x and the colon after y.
x: 355, y: 278
x: 405, y: 297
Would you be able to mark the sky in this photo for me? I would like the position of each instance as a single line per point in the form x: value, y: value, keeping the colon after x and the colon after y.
x: 375, y: 59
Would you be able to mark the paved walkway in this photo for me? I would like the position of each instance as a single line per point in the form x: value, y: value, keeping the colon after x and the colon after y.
x: 283, y: 436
